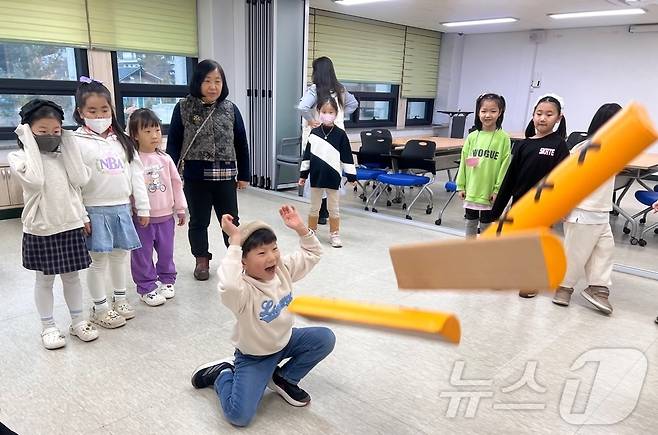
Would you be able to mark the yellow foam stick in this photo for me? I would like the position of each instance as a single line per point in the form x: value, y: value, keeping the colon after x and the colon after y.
x: 616, y: 144
x: 620, y: 140
x: 390, y: 317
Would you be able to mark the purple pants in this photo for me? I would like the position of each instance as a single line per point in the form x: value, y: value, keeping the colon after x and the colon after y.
x: 158, y: 235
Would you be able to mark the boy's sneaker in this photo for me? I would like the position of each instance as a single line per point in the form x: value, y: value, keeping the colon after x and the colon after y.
x: 52, y: 338
x: 109, y: 319
x: 598, y: 296
x: 291, y: 393
x: 335, y: 241
x: 84, y: 330
x: 153, y: 299
x: 124, y: 308
x: 206, y: 374
x: 167, y: 290
x: 563, y: 296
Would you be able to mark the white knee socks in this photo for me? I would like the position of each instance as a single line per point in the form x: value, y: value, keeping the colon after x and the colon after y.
x: 116, y: 262
x: 43, y: 297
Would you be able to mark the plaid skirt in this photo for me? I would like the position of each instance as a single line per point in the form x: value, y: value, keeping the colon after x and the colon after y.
x: 60, y: 253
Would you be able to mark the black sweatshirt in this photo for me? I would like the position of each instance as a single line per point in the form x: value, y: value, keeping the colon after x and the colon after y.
x: 327, y: 159
x: 194, y: 169
x: 533, y: 159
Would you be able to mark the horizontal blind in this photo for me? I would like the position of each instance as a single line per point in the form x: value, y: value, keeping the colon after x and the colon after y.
x: 361, y: 50
x: 159, y: 26
x: 61, y: 22
x: 421, y: 63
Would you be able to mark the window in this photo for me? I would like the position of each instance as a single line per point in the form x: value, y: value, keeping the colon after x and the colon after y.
x: 378, y: 104
x: 149, y: 80
x: 31, y: 70
x: 419, y: 111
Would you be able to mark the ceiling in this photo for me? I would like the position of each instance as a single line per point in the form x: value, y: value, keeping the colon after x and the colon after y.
x: 532, y: 14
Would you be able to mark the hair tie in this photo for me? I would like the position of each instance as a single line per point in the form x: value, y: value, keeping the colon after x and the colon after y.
x: 85, y: 79
x: 559, y: 99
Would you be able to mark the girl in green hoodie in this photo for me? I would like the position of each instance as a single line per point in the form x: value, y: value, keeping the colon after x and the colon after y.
x: 484, y: 161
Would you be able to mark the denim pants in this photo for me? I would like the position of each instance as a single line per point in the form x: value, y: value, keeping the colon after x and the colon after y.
x: 240, y: 391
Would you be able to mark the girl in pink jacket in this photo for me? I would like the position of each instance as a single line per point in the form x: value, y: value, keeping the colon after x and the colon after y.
x: 155, y: 283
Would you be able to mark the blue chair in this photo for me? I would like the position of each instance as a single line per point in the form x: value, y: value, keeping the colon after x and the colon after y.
x: 450, y: 186
x: 646, y: 197
x: 414, y: 162
x: 375, y: 145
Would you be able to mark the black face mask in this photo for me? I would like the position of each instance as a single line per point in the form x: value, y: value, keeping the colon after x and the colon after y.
x: 48, y: 142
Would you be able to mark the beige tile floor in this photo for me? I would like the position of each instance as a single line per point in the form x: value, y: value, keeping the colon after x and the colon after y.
x: 135, y: 380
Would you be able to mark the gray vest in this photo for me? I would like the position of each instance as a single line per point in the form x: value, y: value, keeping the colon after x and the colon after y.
x: 214, y: 142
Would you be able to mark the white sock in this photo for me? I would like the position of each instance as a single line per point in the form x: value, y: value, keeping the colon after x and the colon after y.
x: 96, y: 280
x: 73, y: 295
x: 43, y: 297
x: 120, y: 295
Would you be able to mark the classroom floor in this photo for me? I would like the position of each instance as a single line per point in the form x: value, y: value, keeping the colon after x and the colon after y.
x: 135, y: 380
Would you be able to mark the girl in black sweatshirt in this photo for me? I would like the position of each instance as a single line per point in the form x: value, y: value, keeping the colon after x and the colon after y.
x: 534, y: 158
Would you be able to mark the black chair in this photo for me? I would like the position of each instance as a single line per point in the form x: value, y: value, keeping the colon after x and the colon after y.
x: 413, y: 164
x: 372, y: 160
x: 575, y: 138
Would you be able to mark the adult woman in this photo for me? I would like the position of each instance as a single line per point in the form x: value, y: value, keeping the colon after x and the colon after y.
x: 208, y: 142
x: 324, y: 83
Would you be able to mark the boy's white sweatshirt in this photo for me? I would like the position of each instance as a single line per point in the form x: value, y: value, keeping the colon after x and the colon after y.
x: 113, y: 180
x: 51, y: 184
x: 264, y: 325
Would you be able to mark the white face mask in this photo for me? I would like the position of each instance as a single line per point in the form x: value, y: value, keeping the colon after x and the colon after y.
x: 99, y: 125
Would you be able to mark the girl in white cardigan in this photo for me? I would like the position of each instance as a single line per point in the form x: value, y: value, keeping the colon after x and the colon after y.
x: 49, y: 167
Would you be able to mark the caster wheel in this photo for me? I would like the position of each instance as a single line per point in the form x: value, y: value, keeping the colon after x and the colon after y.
x: 627, y: 230
x: 365, y: 208
x: 389, y: 189
x: 404, y: 206
x: 408, y: 217
x: 428, y: 210
x: 362, y: 196
x: 374, y: 210
x: 634, y: 241
x: 655, y: 231
x: 355, y: 190
x: 388, y: 203
x: 437, y: 222
x: 643, y: 221
x: 642, y: 242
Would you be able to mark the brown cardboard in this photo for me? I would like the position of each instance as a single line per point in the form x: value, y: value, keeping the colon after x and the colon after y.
x: 515, y: 261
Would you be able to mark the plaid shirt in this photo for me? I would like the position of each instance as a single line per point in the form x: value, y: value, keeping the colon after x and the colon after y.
x: 220, y: 171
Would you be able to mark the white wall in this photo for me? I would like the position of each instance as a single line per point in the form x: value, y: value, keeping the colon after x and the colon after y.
x: 222, y: 37
x: 587, y: 67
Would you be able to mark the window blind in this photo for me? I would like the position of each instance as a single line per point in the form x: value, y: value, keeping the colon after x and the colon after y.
x: 159, y: 26
x: 421, y: 63
x: 61, y: 22
x: 361, y: 50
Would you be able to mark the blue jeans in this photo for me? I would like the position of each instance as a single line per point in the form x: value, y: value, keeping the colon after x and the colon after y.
x: 240, y: 391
